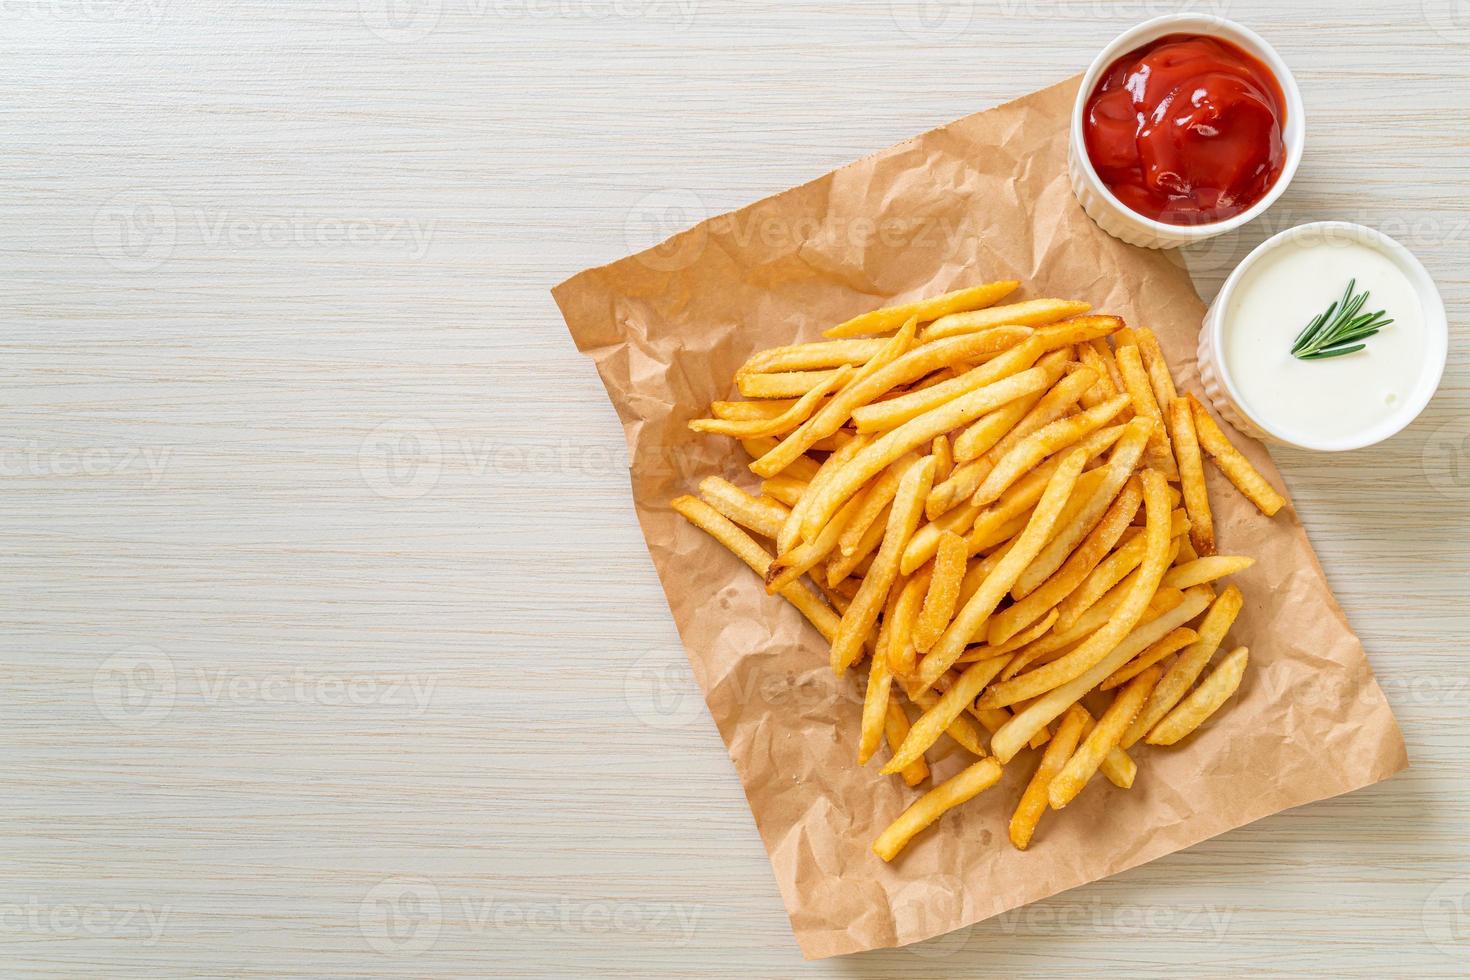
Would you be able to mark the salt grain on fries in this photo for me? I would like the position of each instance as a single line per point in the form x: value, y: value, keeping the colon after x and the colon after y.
x: 951, y: 488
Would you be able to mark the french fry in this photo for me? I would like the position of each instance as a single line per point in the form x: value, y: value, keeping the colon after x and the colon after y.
x: 783, y: 384
x: 791, y: 530
x: 1158, y: 369
x: 791, y: 565
x: 908, y: 507
x: 829, y: 496
x: 889, y: 318
x: 1109, y: 572
x: 1235, y: 466
x: 1105, y: 388
x: 1173, y: 642
x: 926, y: 731
x: 875, y: 698
x: 988, y: 430
x: 1043, y: 600
x: 895, y: 730
x: 786, y: 421
x: 901, y: 654
x: 1060, y: 397
x: 762, y: 515
x: 1104, y: 737
x: 1192, y: 477
x: 876, y: 498
x: 767, y: 408
x: 725, y: 531
x: 1096, y: 647
x: 1027, y: 636
x: 925, y: 542
x: 814, y: 356
x: 1024, y: 724
x: 1055, y: 645
x: 1141, y: 393
x: 1117, y: 765
x: 889, y: 414
x: 971, y: 619
x: 1031, y: 313
x: 840, y: 566
x: 944, y: 591
x: 960, y: 730
x: 1110, y: 364
x: 1034, y: 799
x: 1203, y: 570
x: 1125, y: 459
x: 928, y: 808
x: 943, y: 458
x: 1079, y: 329
x: 784, y: 490
x: 963, y: 481
x: 1189, y: 664
x: 1042, y: 443
x: 1203, y: 701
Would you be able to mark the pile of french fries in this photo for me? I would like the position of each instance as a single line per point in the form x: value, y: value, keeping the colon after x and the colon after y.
x: 1002, y: 510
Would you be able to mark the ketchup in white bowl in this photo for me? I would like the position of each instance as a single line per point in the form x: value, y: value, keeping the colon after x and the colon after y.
x: 1329, y: 336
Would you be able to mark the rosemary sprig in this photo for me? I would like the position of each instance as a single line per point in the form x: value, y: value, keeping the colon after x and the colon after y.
x: 1335, y: 331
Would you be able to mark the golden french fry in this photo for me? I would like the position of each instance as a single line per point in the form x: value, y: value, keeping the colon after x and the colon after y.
x: 1079, y: 329
x: 1104, y: 737
x: 1173, y: 642
x: 811, y: 357
x: 889, y: 367
x: 1110, y: 364
x: 1027, y: 636
x: 767, y: 408
x: 1192, y: 477
x: 786, y: 421
x: 986, y: 431
x: 1060, y: 641
x: 944, y: 591
x: 1042, y: 443
x: 963, y: 481
x: 895, y: 730
x: 928, y: 808
x: 1088, y: 354
x: 908, y: 507
x: 1158, y: 369
x: 791, y: 565
x: 1125, y: 459
x: 1043, y: 600
x: 1110, y: 571
x: 761, y: 514
x: 943, y: 458
x: 960, y: 730
x: 1117, y: 765
x: 876, y: 498
x: 829, y: 496
x: 841, y: 566
x: 936, y: 720
x: 1235, y: 466
x: 1141, y: 394
x: 901, y: 653
x: 1203, y: 701
x: 1186, y: 554
x: 1053, y: 405
x: 971, y: 619
x: 784, y: 490
x: 1096, y: 647
x: 1189, y: 664
x: 875, y: 699
x: 1041, y: 712
x: 791, y: 530
x: 1033, y: 800
x: 724, y: 530
x: 783, y: 384
x: 1031, y: 313
x: 881, y: 416
x: 1203, y: 570
x: 889, y: 318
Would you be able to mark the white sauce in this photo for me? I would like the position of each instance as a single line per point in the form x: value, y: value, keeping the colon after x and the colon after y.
x: 1334, y: 398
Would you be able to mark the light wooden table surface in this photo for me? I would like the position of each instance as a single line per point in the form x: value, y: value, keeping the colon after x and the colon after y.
x: 330, y: 642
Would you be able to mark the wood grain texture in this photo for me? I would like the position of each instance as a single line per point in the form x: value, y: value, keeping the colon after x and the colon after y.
x: 331, y: 646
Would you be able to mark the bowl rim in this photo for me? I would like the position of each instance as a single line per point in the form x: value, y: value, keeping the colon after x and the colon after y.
x: 1432, y: 309
x: 1293, y: 134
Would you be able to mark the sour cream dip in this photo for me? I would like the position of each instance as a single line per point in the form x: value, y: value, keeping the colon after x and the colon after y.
x: 1329, y: 403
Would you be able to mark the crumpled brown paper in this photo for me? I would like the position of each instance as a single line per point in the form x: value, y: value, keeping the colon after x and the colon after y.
x: 986, y: 197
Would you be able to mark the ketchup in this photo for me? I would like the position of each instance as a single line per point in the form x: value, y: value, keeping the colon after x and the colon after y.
x: 1186, y: 129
